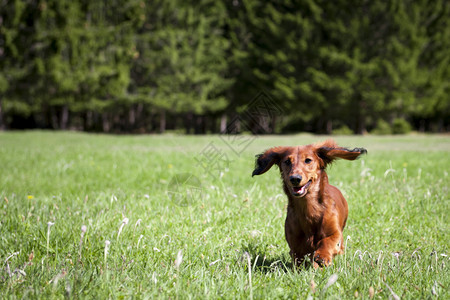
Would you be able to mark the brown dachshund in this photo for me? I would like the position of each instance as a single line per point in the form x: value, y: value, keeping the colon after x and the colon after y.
x: 317, y: 211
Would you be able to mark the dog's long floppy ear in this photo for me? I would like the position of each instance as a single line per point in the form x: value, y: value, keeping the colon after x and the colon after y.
x: 266, y: 160
x: 329, y: 151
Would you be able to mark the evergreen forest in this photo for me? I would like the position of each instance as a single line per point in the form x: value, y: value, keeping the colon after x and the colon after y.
x: 200, y: 67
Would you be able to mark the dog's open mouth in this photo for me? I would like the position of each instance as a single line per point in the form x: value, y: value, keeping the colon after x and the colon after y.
x: 300, y: 191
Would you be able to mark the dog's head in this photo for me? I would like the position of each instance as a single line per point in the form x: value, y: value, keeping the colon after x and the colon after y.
x: 301, y: 166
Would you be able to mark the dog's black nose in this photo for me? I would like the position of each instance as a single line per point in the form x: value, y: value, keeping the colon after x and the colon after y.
x: 295, y: 179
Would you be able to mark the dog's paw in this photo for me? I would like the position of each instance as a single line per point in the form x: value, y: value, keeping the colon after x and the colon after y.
x: 322, y: 259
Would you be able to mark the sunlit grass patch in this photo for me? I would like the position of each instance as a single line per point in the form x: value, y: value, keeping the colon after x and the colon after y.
x: 90, y: 215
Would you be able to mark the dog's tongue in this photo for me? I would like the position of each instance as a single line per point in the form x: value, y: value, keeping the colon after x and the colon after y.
x: 299, y: 190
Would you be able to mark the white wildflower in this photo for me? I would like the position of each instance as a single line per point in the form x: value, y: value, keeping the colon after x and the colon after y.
x: 178, y: 260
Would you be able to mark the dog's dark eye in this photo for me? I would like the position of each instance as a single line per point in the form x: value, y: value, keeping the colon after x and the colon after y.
x: 287, y: 162
x: 308, y: 160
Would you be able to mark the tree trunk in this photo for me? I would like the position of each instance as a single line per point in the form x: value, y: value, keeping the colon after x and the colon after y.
x: 54, y: 118
x: 361, y: 125
x: 422, y: 126
x: 274, y: 124
x: 329, y: 127
x: 132, y: 117
x: 206, y: 124
x: 198, y: 124
x: 236, y: 129
x: 106, y: 125
x: 211, y: 124
x: 2, y: 125
x: 223, y: 123
x: 117, y: 122
x: 320, y: 127
x: 440, y: 125
x: 257, y: 125
x: 162, y: 121
x: 64, y: 117
x: 88, y: 121
x: 361, y: 118
x: 188, y: 122
x: 139, y: 110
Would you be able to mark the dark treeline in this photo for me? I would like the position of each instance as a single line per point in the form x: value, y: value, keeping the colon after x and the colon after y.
x: 193, y: 66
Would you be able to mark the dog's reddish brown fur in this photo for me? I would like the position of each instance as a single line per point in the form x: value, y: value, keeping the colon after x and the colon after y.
x: 317, y: 211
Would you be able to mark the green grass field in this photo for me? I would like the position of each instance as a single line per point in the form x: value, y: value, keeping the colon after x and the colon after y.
x: 221, y: 233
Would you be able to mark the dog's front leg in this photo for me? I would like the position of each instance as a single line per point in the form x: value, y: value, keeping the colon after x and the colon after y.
x: 328, y: 247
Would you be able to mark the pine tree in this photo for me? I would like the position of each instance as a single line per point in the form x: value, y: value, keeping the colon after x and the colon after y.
x: 181, y: 67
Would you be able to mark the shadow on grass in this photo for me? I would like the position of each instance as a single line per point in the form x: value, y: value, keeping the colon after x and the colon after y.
x: 262, y: 260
